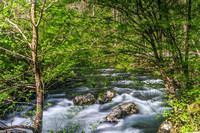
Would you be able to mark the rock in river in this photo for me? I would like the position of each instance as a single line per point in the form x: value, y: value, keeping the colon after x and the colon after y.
x: 121, y: 111
x: 105, y: 97
x: 86, y: 99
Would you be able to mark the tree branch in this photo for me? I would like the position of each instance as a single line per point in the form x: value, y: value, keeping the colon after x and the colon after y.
x: 16, y: 53
x: 27, y: 103
x: 41, y: 13
x: 61, y: 52
x: 48, y: 5
x: 196, y: 47
x: 17, y: 126
x: 20, y: 31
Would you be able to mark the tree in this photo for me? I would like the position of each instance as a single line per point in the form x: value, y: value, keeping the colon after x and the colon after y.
x: 38, y: 49
x: 161, y: 33
x: 155, y: 33
x: 33, y: 45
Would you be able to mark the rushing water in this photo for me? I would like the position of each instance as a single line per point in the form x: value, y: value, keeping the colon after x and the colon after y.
x: 63, y: 112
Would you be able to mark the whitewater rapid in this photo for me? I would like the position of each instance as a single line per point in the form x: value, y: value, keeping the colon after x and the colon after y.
x: 89, y: 119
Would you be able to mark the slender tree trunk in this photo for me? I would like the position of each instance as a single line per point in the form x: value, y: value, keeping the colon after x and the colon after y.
x: 39, y: 91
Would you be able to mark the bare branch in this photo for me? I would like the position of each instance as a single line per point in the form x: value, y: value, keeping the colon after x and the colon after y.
x: 20, y: 31
x: 17, y: 126
x: 16, y: 86
x: 27, y: 103
x: 16, y: 53
x: 41, y: 13
x: 196, y: 47
x: 61, y: 52
x: 48, y: 6
x: 33, y: 9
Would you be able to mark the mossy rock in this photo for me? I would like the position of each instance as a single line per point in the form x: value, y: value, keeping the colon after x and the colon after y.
x: 105, y: 97
x: 86, y: 99
x: 122, y: 111
x: 169, y: 126
x: 194, y: 108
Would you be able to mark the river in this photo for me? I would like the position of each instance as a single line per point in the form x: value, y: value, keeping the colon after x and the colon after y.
x: 144, y: 90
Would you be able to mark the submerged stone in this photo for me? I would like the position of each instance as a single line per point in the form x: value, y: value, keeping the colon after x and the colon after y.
x: 86, y: 99
x: 121, y: 111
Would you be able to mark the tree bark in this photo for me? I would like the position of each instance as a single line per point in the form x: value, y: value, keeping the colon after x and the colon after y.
x: 39, y: 90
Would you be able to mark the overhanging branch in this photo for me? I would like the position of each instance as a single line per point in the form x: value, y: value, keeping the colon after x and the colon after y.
x: 16, y: 53
x: 20, y: 31
x: 17, y: 126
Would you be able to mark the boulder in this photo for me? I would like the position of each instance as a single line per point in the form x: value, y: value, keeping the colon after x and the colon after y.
x: 194, y: 108
x: 121, y: 111
x: 170, y: 126
x: 105, y: 97
x: 165, y: 127
x: 86, y: 99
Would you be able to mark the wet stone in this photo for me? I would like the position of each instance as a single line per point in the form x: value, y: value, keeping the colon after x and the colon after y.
x: 121, y: 111
x: 105, y: 97
x: 86, y: 99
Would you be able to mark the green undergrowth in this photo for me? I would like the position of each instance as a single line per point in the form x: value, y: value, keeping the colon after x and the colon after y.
x: 185, y: 115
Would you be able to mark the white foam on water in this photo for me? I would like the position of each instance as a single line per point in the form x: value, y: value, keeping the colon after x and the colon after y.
x: 56, y: 117
x: 53, y: 100
x: 113, y: 74
x: 132, y: 130
x: 63, y: 111
x: 122, y: 82
x: 140, y: 121
x: 19, y: 121
x: 107, y: 70
x: 154, y: 81
x: 104, y: 74
x: 65, y: 102
x: 92, y: 109
x: 105, y: 125
x: 150, y: 93
x: 118, y: 89
x: 141, y: 77
x: 119, y: 74
x: 123, y: 98
x: 116, y: 128
x: 82, y: 88
x: 55, y: 95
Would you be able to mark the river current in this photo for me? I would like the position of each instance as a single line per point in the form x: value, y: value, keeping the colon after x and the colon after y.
x: 146, y: 92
